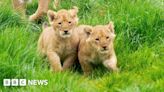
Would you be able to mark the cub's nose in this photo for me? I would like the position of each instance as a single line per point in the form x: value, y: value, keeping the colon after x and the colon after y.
x: 104, y: 47
x: 65, y: 31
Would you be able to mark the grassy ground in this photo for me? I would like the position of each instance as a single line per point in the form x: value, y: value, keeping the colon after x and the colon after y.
x: 139, y: 47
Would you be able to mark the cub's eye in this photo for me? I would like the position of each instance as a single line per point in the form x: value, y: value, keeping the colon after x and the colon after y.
x: 97, y: 39
x: 59, y: 23
x: 107, y: 37
x: 69, y: 22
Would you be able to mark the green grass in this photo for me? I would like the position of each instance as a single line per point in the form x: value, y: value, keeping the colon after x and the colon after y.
x: 139, y: 46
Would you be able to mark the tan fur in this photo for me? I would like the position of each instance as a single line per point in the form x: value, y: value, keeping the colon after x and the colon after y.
x: 42, y: 9
x: 91, y: 48
x: 57, y: 45
x: 19, y: 7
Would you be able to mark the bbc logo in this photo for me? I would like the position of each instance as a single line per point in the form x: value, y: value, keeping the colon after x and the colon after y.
x: 14, y: 82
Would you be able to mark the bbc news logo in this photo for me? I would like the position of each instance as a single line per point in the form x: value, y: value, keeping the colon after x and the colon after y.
x: 23, y: 82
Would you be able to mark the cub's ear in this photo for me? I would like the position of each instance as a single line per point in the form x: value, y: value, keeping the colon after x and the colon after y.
x: 88, y: 30
x: 111, y: 28
x: 51, y: 15
x: 74, y: 11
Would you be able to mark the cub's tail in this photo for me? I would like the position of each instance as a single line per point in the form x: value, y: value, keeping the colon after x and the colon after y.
x: 56, y: 4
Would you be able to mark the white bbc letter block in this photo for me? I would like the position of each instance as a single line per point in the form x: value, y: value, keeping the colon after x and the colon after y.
x: 14, y: 82
x: 6, y: 82
x: 22, y: 82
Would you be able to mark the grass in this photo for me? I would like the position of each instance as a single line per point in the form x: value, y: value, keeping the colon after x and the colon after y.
x: 139, y: 46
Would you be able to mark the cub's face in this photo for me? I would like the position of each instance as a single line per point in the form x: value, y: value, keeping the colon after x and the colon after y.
x: 63, y: 21
x: 101, y: 37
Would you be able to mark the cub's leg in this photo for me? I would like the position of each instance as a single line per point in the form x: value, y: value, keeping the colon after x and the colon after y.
x: 111, y: 63
x: 69, y: 61
x: 42, y: 9
x: 54, y: 60
x: 19, y: 6
x: 86, y: 67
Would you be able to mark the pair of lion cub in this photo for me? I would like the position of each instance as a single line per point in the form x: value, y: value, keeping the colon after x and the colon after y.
x: 64, y: 42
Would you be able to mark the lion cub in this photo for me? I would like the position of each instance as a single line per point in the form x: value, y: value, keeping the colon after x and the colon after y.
x: 59, y: 42
x: 97, y: 47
